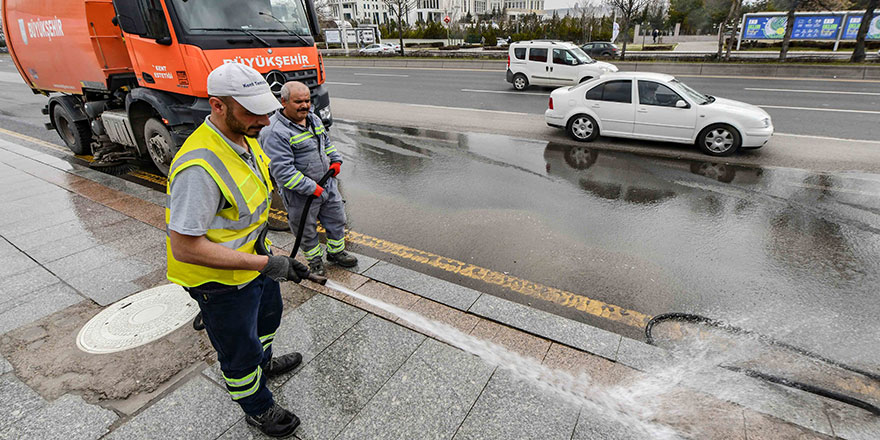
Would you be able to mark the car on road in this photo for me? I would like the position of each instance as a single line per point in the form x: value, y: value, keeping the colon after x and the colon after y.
x: 601, y: 49
x: 654, y: 106
x: 501, y: 42
x: 380, y: 48
x: 551, y: 63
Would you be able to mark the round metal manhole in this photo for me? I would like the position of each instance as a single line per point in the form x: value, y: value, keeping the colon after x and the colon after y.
x: 137, y: 320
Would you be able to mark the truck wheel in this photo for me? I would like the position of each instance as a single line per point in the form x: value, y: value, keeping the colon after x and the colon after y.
x: 76, y: 134
x: 160, y: 144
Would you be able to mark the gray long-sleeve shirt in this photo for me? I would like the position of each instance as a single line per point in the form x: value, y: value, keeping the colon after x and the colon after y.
x: 300, y: 154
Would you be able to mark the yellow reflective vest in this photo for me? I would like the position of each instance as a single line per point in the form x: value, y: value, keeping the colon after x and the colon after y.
x: 235, y: 227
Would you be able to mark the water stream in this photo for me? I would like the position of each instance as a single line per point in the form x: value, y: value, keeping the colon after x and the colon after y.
x: 632, y: 405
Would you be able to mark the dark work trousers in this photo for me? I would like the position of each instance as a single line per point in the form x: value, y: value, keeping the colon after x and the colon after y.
x: 241, y: 324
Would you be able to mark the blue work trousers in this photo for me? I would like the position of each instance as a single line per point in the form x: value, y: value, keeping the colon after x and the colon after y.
x: 241, y: 325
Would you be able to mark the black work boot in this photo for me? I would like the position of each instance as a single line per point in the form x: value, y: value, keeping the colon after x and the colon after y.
x: 316, y: 266
x: 343, y: 259
x: 275, y: 422
x: 282, y: 364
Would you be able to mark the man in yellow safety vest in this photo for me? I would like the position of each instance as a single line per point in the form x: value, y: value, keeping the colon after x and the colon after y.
x: 218, y: 204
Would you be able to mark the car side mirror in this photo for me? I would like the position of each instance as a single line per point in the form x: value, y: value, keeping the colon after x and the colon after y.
x: 681, y: 104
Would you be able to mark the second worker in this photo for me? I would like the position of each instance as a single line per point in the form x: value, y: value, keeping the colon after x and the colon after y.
x: 301, y: 153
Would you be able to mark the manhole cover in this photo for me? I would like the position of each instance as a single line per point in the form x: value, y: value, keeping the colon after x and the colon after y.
x: 137, y: 320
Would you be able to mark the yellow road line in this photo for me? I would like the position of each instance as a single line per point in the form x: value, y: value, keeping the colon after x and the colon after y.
x: 34, y: 140
x: 524, y: 287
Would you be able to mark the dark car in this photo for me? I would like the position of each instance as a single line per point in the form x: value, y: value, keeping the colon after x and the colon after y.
x: 601, y: 49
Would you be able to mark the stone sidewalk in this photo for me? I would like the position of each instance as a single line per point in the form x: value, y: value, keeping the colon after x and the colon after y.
x: 74, y: 240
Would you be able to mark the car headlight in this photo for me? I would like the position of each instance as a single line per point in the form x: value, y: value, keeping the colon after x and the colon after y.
x: 766, y: 122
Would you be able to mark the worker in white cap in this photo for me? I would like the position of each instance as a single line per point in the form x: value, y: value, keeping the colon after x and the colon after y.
x: 218, y: 204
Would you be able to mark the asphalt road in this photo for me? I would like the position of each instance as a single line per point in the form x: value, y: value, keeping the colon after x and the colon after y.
x: 787, y: 252
x: 839, y: 109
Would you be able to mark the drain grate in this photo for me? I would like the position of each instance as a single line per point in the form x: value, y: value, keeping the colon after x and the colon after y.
x: 137, y: 320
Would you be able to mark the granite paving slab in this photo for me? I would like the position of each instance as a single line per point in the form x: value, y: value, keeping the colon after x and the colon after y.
x: 510, y: 408
x: 427, y: 398
x: 331, y: 390
x: 87, y: 260
x: 21, y: 283
x: 593, y: 426
x: 429, y: 287
x: 851, y: 423
x: 548, y: 325
x: 31, y: 307
x: 196, y: 410
x: 640, y: 355
x: 364, y: 263
x: 5, y: 366
x: 69, y: 418
x: 16, y: 262
x: 112, y: 282
x: 17, y: 401
x: 308, y: 329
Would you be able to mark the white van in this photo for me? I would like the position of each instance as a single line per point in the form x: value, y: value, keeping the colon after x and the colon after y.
x: 551, y: 63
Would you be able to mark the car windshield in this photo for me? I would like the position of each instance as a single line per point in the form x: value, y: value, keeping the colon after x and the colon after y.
x: 204, y: 16
x: 693, y: 94
x: 582, y: 56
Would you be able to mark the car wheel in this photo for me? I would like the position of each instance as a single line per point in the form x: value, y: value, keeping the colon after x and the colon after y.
x: 580, y: 158
x: 77, y: 135
x: 520, y: 82
x: 160, y: 144
x: 606, y: 54
x: 582, y: 128
x: 719, y: 140
x: 585, y: 79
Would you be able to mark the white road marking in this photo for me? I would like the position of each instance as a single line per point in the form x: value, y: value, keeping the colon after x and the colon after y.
x: 833, y: 92
x: 506, y: 92
x: 382, y: 74
x: 342, y: 83
x: 825, y: 138
x: 837, y: 110
x: 470, y: 109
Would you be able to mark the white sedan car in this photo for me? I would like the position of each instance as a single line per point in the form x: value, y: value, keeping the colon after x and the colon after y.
x: 643, y: 105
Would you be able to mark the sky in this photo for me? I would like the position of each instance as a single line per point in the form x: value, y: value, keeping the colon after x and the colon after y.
x: 558, y: 4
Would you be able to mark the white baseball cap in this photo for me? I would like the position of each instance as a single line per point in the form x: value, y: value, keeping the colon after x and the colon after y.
x: 245, y: 85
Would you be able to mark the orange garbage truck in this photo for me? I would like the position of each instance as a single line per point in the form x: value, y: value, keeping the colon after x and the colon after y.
x: 126, y: 79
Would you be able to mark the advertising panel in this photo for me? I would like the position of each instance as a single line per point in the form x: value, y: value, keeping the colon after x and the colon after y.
x: 815, y: 27
x: 852, y: 28
x: 765, y: 28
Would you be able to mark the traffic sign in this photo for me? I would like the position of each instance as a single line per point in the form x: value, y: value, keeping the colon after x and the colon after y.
x: 447, y: 20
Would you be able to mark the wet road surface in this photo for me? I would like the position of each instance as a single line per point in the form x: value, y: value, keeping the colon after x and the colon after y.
x: 785, y: 252
x: 840, y: 109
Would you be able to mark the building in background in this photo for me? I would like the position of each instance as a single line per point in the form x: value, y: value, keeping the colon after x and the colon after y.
x: 362, y: 11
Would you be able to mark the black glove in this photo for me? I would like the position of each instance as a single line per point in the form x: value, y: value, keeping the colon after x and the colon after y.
x: 299, y: 269
x: 280, y: 268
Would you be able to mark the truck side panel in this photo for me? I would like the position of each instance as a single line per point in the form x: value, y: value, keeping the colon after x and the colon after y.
x: 55, y: 51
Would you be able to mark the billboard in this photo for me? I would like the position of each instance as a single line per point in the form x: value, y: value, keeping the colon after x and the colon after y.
x: 852, y: 28
x: 806, y: 27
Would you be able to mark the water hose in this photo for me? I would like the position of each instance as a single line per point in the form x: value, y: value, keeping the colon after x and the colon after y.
x: 261, y: 248
x: 849, y: 400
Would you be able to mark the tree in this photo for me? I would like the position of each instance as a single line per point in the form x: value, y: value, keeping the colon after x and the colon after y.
x: 399, y: 9
x: 731, y: 20
x: 628, y: 9
x: 858, y: 55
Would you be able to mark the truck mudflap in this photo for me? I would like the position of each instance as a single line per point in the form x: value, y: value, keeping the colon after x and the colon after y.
x: 509, y: 76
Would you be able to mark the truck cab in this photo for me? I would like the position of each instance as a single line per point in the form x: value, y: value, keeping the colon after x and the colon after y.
x: 127, y: 78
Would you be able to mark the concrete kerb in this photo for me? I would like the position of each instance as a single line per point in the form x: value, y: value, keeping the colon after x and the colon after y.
x: 708, y: 69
